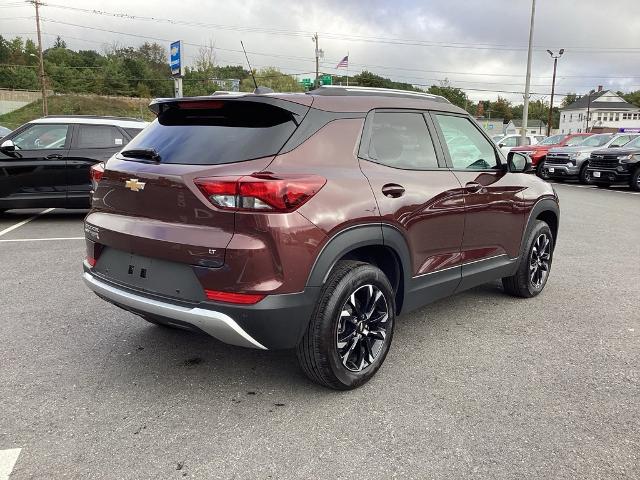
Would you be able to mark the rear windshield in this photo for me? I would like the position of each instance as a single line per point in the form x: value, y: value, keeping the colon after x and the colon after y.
x: 215, y: 132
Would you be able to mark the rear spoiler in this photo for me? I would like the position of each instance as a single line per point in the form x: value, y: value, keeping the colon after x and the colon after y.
x: 298, y: 108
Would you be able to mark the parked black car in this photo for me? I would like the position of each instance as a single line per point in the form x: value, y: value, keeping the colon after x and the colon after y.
x: 616, y: 165
x: 46, y: 162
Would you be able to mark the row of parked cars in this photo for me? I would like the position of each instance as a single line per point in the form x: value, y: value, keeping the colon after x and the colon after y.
x: 601, y: 159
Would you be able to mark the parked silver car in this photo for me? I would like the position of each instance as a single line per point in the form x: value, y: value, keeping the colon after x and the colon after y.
x: 571, y: 162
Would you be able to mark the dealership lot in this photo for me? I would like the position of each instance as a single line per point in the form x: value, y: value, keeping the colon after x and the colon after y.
x: 477, y: 385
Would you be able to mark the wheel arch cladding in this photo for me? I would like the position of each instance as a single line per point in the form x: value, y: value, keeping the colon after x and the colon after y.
x: 548, y: 211
x: 380, y: 245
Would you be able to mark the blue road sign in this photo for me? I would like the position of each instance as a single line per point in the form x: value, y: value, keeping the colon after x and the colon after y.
x: 175, y: 59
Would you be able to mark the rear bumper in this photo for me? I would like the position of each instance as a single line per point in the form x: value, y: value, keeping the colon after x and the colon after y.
x: 278, y: 321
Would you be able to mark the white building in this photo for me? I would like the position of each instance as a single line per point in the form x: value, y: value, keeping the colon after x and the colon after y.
x: 534, y: 127
x: 607, y: 110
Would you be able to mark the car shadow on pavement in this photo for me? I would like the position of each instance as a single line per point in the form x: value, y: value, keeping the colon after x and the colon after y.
x: 162, y: 354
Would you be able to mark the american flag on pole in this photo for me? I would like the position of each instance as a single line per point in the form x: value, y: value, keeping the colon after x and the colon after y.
x: 344, y: 63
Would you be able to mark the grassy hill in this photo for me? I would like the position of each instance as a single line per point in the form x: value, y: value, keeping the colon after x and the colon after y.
x: 80, y: 105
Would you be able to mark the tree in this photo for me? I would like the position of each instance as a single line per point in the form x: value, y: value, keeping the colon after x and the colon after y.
x: 501, y: 108
x: 273, y: 78
x: 59, y: 43
x: 569, y: 98
x: 480, y: 110
x: 368, y: 79
x: 205, y: 60
x: 454, y: 95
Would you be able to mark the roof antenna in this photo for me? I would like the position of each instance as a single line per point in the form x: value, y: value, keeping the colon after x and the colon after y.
x: 249, y: 63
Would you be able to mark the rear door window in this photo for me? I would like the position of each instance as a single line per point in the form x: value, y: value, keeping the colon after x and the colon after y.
x: 215, y: 132
x: 98, y: 136
x: 402, y: 140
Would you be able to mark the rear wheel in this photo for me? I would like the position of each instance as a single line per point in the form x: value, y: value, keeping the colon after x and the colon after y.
x: 634, y: 183
x: 585, y: 175
x: 534, y: 268
x: 351, y: 328
x: 541, y: 171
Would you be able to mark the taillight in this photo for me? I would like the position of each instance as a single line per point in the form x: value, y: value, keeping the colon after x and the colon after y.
x: 93, y: 252
x: 238, y: 298
x: 260, y: 192
x: 96, y: 172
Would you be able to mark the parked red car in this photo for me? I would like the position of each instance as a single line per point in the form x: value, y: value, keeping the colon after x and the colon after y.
x: 538, y: 152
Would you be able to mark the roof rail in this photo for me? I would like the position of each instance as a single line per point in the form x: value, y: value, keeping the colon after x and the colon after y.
x: 107, y: 117
x: 336, y: 90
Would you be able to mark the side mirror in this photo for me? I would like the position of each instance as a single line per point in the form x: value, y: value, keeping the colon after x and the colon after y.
x: 518, y: 162
x: 501, y: 145
x: 7, y: 146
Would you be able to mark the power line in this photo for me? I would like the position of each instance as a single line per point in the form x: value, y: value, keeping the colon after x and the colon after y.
x: 345, y: 37
x: 326, y: 63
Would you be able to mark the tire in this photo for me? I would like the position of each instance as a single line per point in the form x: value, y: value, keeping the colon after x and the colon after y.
x: 634, y: 183
x: 584, y: 176
x: 541, y: 171
x: 344, y: 351
x: 527, y: 281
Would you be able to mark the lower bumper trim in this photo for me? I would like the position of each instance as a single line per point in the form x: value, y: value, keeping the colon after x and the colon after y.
x: 217, y: 324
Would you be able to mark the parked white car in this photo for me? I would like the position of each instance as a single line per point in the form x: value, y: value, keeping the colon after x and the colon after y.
x: 507, y: 142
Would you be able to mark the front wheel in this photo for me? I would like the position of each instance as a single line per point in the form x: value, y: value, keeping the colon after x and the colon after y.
x: 541, y: 171
x: 534, y: 268
x: 350, y: 331
x: 634, y: 183
x: 585, y: 175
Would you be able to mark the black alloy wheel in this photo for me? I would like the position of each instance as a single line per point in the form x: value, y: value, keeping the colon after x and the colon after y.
x: 539, y: 261
x: 350, y: 332
x: 362, y: 328
x: 535, y: 263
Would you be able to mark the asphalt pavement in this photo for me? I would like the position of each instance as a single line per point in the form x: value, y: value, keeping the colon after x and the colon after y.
x: 479, y: 385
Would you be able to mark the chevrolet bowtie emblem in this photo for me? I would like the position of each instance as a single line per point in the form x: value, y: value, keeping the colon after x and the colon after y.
x: 134, y: 185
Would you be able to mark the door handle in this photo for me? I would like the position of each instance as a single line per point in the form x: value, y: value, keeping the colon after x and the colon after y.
x: 392, y: 190
x: 54, y: 156
x: 475, y: 187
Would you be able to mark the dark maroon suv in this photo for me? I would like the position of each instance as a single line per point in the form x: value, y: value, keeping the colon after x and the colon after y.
x: 312, y: 221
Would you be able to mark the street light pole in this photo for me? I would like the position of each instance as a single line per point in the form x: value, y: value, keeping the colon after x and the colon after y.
x: 527, y: 86
x: 553, y: 86
x: 315, y: 39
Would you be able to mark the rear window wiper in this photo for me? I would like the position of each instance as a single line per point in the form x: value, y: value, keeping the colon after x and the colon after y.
x: 146, y: 153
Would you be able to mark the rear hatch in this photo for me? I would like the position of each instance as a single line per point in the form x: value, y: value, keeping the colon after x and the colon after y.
x: 147, y: 206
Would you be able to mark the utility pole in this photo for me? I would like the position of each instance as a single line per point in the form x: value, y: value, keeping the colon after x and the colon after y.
x: 43, y: 83
x: 527, y: 87
x: 553, y: 86
x: 315, y: 39
x: 588, y: 111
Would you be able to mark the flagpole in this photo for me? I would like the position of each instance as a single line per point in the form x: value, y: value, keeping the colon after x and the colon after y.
x: 347, y: 69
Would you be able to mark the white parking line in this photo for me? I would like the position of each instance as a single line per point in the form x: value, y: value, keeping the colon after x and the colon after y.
x: 24, y: 222
x: 591, y: 187
x: 8, y: 459
x: 40, y: 239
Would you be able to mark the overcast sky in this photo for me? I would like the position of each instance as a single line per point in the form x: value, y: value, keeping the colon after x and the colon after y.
x: 420, y: 42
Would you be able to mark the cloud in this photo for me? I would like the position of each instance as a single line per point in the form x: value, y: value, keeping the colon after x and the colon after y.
x: 367, y: 31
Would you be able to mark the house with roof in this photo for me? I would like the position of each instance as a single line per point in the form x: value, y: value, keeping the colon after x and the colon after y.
x: 607, y: 111
x: 534, y: 127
